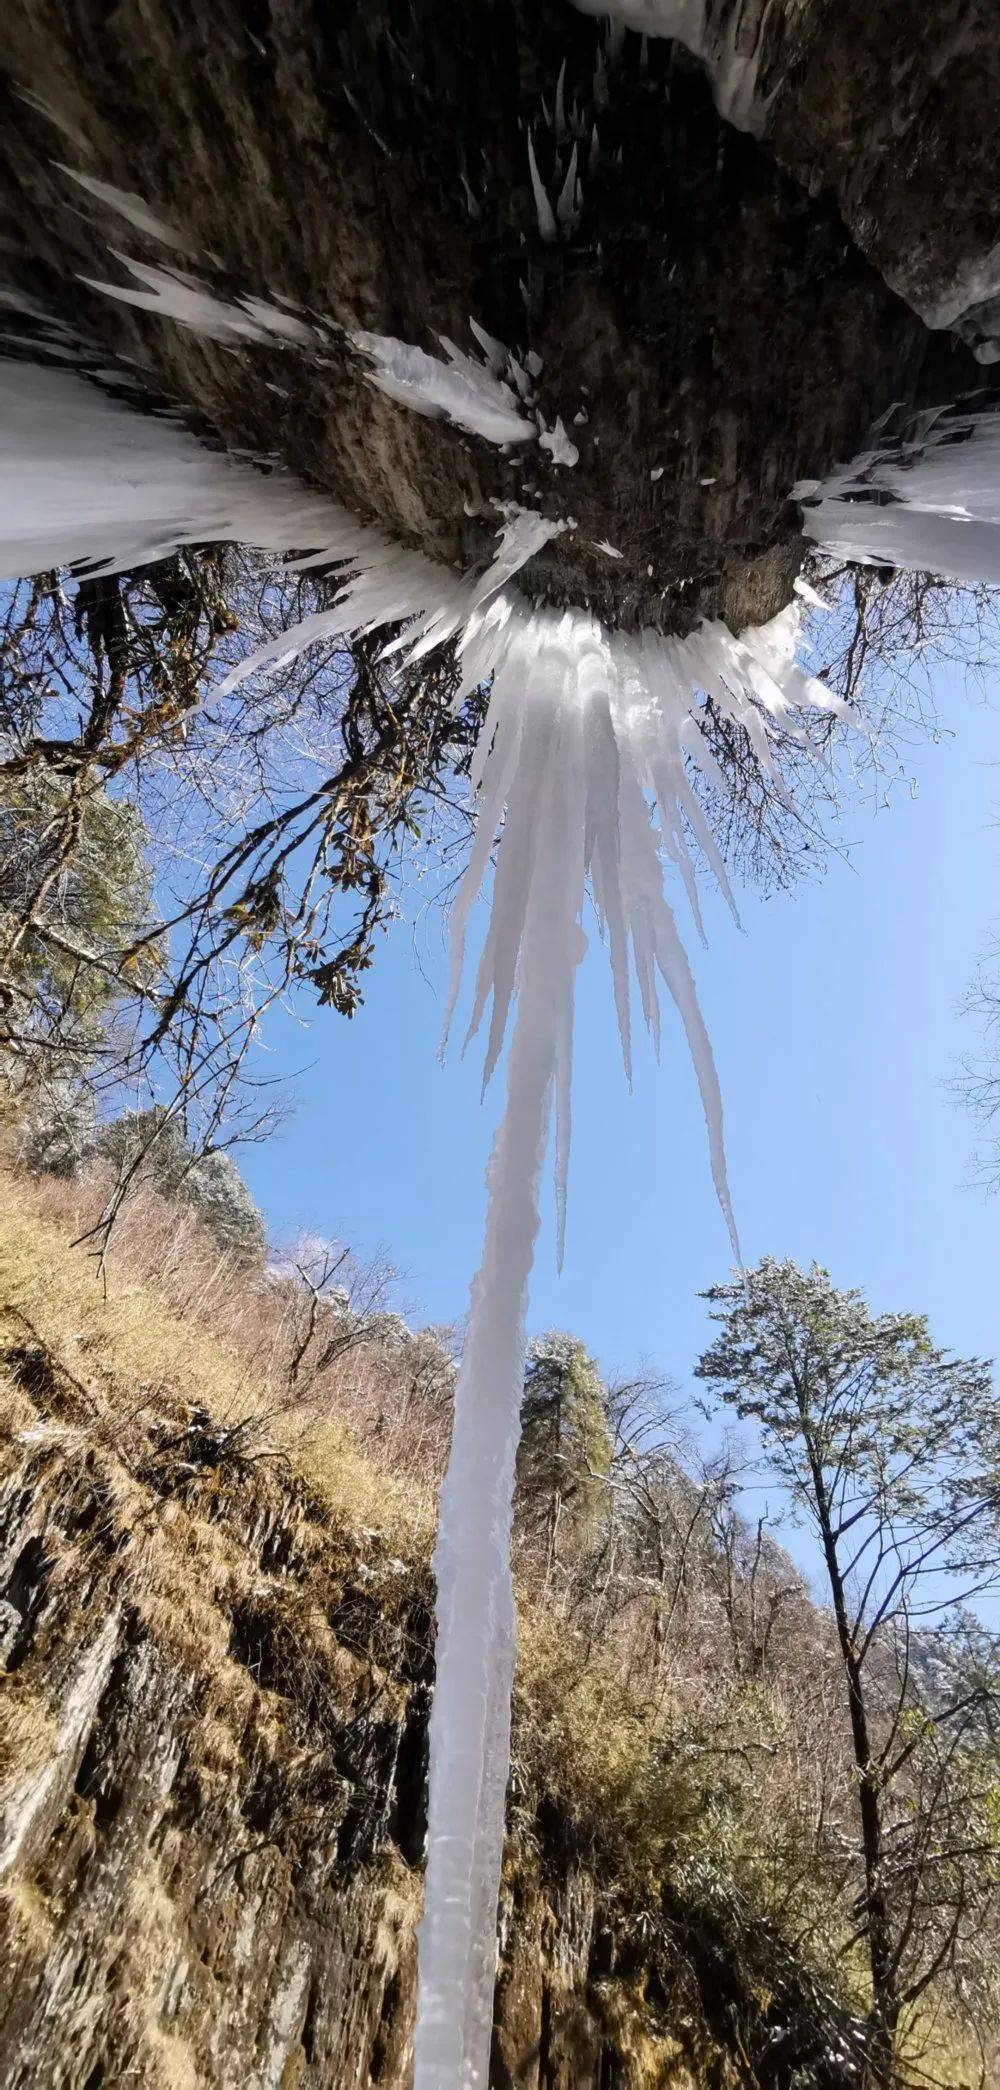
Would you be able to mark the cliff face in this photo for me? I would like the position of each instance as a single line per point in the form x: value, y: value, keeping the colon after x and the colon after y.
x: 212, y: 1762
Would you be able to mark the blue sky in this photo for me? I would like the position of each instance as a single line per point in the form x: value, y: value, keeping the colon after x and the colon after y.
x: 836, y: 1023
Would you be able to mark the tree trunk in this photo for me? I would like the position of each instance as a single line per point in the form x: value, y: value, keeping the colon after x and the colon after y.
x: 884, y: 2015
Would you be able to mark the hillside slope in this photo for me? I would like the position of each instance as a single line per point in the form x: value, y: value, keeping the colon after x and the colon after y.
x: 212, y: 1754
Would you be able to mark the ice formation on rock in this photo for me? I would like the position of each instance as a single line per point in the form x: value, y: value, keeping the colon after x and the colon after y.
x: 455, y: 387
x: 126, y: 204
x: 85, y: 478
x: 176, y: 293
x: 714, y: 32
x: 559, y: 445
x: 587, y: 749
x: 927, y: 500
x: 459, y: 389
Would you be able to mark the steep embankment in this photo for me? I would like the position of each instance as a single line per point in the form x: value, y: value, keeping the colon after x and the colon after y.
x: 212, y: 1755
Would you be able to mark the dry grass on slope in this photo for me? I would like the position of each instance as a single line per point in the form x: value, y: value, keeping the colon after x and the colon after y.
x: 644, y: 1771
x: 176, y: 1319
x: 177, y: 1329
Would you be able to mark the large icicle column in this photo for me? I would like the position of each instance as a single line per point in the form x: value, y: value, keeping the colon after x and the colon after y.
x: 581, y: 728
x: 470, y: 1721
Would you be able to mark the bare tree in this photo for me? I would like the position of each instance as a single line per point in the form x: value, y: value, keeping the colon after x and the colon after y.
x: 270, y: 821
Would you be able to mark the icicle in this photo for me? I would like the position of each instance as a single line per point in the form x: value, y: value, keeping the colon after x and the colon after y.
x: 471, y: 203
x: 543, y: 208
x: 175, y: 294
x: 128, y: 206
x: 475, y: 1646
x: 712, y: 34
x: 561, y: 132
x: 493, y: 350
x: 568, y: 205
x: 461, y: 390
x: 558, y: 444
x: 810, y: 595
x: 928, y: 504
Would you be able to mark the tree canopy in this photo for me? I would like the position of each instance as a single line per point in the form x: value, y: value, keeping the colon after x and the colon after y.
x: 889, y: 1447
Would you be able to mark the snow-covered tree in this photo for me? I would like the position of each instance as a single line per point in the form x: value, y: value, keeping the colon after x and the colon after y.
x: 149, y: 1147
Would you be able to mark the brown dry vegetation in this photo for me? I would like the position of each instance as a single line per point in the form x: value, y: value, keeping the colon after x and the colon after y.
x: 684, y: 1728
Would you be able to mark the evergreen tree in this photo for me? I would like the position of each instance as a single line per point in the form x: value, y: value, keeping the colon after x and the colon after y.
x: 74, y: 889
x: 75, y: 892
x: 565, y: 1449
x: 151, y: 1148
x: 888, y: 1448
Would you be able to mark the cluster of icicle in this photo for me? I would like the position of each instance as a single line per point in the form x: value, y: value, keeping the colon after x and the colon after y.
x: 587, y: 732
x: 726, y: 36
x: 926, y: 499
x: 584, y: 729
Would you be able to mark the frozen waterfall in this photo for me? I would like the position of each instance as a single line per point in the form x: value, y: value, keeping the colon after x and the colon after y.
x: 585, y: 767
